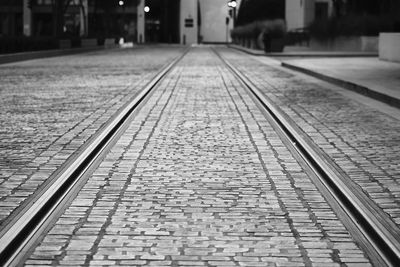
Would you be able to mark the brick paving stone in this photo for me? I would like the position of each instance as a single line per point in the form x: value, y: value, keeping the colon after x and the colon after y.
x: 360, y: 139
x: 200, y: 178
x: 50, y: 107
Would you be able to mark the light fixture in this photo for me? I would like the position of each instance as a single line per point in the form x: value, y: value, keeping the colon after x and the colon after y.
x: 121, y: 3
x: 146, y: 9
x: 232, y: 4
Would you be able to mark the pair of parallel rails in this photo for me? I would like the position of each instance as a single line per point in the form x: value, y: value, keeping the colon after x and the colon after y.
x: 373, y: 229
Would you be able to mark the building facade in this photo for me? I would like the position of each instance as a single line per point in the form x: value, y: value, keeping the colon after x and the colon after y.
x: 79, y: 18
x: 300, y: 13
x: 199, y: 21
x: 141, y: 21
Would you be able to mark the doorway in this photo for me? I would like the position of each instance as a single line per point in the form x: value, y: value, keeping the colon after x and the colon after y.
x: 162, y: 21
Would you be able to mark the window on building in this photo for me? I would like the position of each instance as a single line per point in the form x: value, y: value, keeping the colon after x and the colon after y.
x: 321, y: 10
x: 44, y: 2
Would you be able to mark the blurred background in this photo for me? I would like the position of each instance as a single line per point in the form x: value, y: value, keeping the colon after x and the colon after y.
x: 27, y: 25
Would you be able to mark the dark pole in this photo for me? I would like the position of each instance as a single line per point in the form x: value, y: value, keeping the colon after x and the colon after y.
x: 57, y: 17
x: 234, y: 17
x: 232, y: 11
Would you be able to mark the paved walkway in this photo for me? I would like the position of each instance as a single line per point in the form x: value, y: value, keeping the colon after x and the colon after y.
x: 304, y: 53
x: 50, y: 107
x: 361, y: 72
x: 361, y: 140
x: 380, y: 78
x: 200, y: 178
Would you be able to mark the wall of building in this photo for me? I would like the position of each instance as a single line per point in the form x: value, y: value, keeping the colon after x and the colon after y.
x: 140, y: 22
x: 213, y: 18
x: 309, y: 12
x: 330, y: 6
x: 389, y: 48
x: 294, y: 14
x: 299, y: 13
x: 188, y: 22
x: 27, y: 18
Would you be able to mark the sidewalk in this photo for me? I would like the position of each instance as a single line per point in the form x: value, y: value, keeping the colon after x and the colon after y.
x: 369, y: 76
x: 358, y: 72
x: 305, y: 53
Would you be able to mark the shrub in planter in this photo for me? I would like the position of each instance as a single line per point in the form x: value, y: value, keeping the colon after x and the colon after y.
x: 259, y: 31
x: 273, y: 33
x: 247, y: 32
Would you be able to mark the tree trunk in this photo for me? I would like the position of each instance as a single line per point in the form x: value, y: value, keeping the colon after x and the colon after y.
x: 83, y: 11
x: 58, y: 17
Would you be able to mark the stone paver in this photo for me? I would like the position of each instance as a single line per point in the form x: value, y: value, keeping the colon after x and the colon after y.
x: 200, y: 178
x: 362, y: 141
x: 50, y: 107
x: 377, y: 75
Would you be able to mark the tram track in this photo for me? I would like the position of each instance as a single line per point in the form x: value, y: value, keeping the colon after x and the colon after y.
x: 31, y: 221
x: 376, y: 232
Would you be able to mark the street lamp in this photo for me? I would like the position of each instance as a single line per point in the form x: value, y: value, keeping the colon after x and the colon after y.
x: 146, y: 9
x: 122, y: 39
x: 232, y: 4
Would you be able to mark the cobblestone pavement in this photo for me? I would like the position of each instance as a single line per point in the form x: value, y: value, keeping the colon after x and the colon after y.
x: 200, y: 178
x: 50, y: 107
x: 377, y: 75
x: 364, y: 142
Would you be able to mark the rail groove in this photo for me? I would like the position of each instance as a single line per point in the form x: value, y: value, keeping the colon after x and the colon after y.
x: 380, y: 232
x: 14, y: 238
x: 378, y: 229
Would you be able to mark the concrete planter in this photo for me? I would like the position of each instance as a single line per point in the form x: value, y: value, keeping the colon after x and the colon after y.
x: 350, y: 44
x: 369, y: 43
x: 389, y: 46
x: 64, y: 44
x: 276, y: 44
x: 109, y: 43
x: 92, y: 42
x: 260, y: 43
x: 253, y: 43
x: 248, y: 42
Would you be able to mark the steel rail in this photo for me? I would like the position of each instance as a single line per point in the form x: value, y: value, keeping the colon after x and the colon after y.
x: 381, y: 232
x: 24, y: 227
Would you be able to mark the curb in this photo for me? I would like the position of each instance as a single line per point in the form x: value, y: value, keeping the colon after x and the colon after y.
x: 10, y: 58
x: 248, y: 51
x: 392, y: 101
x: 303, y: 54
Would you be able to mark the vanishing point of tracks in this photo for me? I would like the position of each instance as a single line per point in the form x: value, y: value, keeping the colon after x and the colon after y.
x: 374, y: 232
